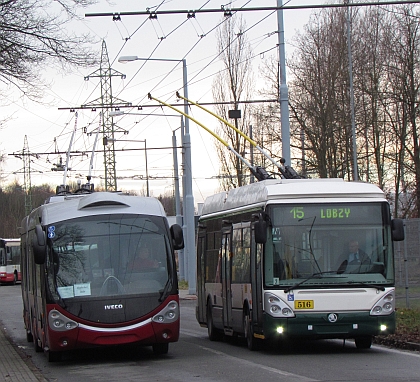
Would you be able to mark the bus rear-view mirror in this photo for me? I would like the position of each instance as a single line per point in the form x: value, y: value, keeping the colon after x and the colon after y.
x: 397, y: 226
x: 39, y: 245
x: 177, y: 236
x: 260, y: 228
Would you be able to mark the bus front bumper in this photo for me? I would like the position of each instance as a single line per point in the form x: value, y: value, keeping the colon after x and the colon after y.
x: 329, y: 325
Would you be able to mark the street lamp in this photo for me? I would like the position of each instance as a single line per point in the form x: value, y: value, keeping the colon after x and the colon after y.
x: 284, y: 92
x: 106, y: 140
x: 188, y: 205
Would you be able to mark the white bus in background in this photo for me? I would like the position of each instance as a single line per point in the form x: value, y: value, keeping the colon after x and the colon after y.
x: 9, y: 261
x: 271, y: 262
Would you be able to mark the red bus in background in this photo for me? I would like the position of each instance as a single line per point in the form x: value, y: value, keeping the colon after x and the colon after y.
x: 10, y: 261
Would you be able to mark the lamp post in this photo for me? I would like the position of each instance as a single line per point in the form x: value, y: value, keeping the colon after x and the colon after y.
x: 284, y: 92
x: 188, y: 198
x: 106, y: 140
x: 353, y: 120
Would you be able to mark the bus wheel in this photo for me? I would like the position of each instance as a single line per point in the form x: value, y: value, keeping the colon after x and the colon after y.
x: 29, y: 337
x: 251, y: 341
x: 363, y: 342
x: 160, y: 349
x: 213, y: 333
x: 14, y: 278
x: 38, y: 349
x: 53, y: 356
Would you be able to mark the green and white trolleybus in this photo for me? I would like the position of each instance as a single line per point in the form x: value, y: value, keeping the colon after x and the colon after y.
x: 272, y: 261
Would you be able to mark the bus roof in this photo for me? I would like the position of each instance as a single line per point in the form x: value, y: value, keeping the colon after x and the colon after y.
x: 98, y: 203
x: 285, y: 190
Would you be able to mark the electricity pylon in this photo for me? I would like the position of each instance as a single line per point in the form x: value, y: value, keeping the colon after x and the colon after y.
x: 106, y: 102
x: 27, y: 176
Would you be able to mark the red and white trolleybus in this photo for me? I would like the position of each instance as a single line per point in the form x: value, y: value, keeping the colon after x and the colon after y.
x: 79, y: 285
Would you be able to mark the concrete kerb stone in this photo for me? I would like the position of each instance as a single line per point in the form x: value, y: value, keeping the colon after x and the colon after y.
x: 15, y: 366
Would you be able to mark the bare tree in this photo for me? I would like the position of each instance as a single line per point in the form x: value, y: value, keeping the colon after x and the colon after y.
x: 386, y: 73
x: 233, y: 83
x: 32, y: 37
x: 375, y: 137
x: 404, y: 77
x: 319, y: 95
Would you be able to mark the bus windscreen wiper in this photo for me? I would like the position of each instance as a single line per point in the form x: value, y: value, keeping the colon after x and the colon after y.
x: 358, y: 283
x: 313, y: 276
x: 163, y: 292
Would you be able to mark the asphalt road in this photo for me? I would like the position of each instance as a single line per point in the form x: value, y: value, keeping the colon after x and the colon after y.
x: 195, y: 358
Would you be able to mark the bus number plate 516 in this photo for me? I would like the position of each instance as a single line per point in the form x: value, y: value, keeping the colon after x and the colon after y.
x: 304, y: 304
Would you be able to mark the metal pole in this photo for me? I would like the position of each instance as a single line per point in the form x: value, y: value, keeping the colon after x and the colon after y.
x: 189, y: 226
x: 407, y: 294
x: 177, y: 203
x: 284, y: 92
x: 147, y: 171
x: 353, y: 119
x: 251, y: 149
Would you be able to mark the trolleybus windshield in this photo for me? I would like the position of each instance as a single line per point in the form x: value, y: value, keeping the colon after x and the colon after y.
x: 311, y: 242
x: 99, y: 257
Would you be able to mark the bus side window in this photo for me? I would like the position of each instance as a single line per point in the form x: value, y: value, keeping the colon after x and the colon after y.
x: 2, y: 257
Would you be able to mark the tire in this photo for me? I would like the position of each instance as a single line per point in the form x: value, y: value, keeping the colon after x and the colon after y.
x: 363, y: 342
x: 53, y: 356
x: 38, y: 349
x: 14, y: 278
x: 159, y: 349
x: 29, y: 337
x: 251, y: 341
x: 213, y: 333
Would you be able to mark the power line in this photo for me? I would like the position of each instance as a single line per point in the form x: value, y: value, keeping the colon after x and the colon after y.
x: 84, y: 153
x: 228, y: 11
x: 140, y: 107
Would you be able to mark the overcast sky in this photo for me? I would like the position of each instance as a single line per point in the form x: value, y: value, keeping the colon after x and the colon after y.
x: 173, y: 36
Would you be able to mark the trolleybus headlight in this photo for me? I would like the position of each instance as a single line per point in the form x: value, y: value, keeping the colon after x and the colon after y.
x: 59, y: 322
x: 384, y: 306
x: 276, y: 307
x: 387, y: 306
x: 168, y: 314
x: 377, y: 310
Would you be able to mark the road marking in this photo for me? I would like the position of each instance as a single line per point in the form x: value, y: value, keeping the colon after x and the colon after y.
x: 256, y: 365
x: 248, y: 363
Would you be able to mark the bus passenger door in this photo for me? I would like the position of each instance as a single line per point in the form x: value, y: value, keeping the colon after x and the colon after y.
x: 201, y: 276
x: 226, y: 280
x: 256, y: 284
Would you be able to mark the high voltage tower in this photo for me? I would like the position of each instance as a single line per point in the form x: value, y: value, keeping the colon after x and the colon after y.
x: 25, y: 155
x: 106, y: 102
x: 27, y: 176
